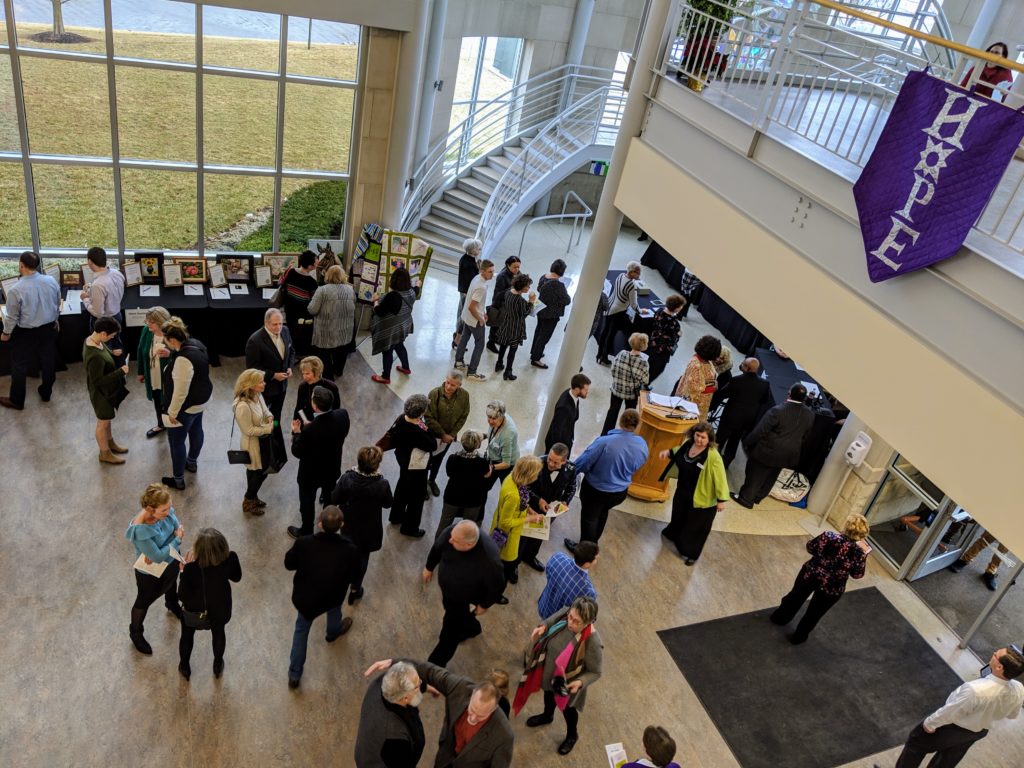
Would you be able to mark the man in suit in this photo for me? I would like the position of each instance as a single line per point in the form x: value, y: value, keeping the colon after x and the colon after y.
x: 556, y: 482
x: 475, y: 733
x: 471, y: 580
x: 747, y: 395
x: 318, y: 448
x: 567, y: 412
x: 270, y: 350
x: 776, y: 443
x: 325, y: 565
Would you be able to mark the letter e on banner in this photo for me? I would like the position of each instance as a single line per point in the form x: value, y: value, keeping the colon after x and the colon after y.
x: 936, y: 164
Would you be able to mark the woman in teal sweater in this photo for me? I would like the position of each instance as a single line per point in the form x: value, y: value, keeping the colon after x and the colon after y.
x: 153, y: 531
x: 701, y: 491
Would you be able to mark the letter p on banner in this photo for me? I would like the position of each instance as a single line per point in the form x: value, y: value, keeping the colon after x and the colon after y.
x: 961, y: 143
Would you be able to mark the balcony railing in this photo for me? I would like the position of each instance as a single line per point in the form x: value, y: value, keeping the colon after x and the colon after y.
x: 809, y: 77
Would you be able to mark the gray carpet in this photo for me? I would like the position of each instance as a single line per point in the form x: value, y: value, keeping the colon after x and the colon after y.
x: 855, y: 688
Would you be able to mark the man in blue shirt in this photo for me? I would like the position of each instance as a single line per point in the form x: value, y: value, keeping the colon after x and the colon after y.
x: 608, y: 465
x: 33, y: 304
x: 568, y: 578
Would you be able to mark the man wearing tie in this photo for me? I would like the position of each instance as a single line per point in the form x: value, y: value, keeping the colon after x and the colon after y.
x: 33, y: 304
x: 567, y: 411
x: 270, y: 350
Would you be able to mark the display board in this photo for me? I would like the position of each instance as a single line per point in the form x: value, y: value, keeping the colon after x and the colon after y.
x: 380, y: 252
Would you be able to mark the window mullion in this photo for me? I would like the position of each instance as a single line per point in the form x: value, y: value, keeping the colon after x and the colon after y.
x: 282, y: 64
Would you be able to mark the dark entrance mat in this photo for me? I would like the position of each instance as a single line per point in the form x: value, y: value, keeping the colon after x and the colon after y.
x: 856, y: 687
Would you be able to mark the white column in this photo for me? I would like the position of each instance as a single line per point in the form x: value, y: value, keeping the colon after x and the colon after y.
x: 608, y: 218
x: 403, y: 122
x: 580, y: 30
x: 431, y: 75
x: 983, y: 25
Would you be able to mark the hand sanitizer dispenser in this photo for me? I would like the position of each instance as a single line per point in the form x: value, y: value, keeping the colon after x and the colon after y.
x: 858, y: 450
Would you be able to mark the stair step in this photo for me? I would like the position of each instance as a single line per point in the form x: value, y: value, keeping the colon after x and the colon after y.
x: 467, y: 217
x: 513, y: 152
x: 465, y: 200
x: 499, y: 162
x: 451, y: 230
x: 475, y: 186
x: 486, y: 173
x: 446, y: 252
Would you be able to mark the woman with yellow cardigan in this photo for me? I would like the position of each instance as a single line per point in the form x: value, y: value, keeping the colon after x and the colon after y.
x: 701, y: 491
x: 513, y: 513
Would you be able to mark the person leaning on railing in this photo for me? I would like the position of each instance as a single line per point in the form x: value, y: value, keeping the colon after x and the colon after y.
x: 992, y: 75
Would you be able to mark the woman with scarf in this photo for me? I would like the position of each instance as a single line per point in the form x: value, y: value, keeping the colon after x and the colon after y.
x: 513, y: 513
x: 563, y: 660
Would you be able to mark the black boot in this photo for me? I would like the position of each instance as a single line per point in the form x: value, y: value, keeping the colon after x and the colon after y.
x: 135, y: 633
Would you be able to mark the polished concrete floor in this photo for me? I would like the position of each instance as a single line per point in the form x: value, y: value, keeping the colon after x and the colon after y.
x: 75, y: 693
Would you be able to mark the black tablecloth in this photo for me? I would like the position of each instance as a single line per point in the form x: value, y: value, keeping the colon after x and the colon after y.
x: 781, y: 375
x: 223, y: 325
x: 730, y: 323
x: 639, y: 324
x: 668, y: 267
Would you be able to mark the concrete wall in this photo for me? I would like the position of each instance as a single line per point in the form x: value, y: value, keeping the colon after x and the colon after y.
x: 1008, y: 26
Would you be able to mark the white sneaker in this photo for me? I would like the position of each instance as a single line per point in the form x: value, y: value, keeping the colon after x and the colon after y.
x: 476, y: 377
x: 460, y: 365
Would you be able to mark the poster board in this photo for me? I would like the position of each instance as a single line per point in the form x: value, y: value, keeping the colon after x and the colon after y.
x: 380, y: 252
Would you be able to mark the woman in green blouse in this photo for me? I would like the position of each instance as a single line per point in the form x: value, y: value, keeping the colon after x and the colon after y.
x: 105, y: 381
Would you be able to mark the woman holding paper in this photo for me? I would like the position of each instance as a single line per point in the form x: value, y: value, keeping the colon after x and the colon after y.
x: 254, y: 421
x: 413, y: 445
x: 152, y: 357
x: 513, y: 513
x: 154, y: 532
x: 105, y: 381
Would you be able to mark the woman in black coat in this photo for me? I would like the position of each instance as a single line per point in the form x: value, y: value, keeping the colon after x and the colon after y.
x: 413, y: 445
x: 362, y: 493
x: 205, y: 586
x: 511, y: 330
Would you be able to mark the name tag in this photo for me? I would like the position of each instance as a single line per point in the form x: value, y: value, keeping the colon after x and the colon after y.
x: 699, y: 465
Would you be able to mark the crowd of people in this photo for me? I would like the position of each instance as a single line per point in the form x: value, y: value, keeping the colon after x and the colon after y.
x: 341, y: 512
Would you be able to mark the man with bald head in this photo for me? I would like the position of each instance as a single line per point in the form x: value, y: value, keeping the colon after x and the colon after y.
x: 471, y: 581
x: 748, y: 397
x: 475, y: 733
x: 270, y: 350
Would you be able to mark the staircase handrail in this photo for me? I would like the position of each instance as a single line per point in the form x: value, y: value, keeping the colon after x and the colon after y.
x: 518, y: 111
x: 577, y: 217
x: 539, y: 158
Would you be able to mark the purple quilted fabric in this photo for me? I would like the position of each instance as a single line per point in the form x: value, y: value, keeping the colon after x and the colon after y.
x: 937, y: 162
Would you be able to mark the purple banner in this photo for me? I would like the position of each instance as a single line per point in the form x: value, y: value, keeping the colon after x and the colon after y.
x: 937, y: 162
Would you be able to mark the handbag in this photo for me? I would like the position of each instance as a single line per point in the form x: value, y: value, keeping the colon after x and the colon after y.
x: 273, y: 455
x: 118, y: 397
x: 236, y: 456
x: 195, y: 620
x: 790, y: 486
x: 493, y: 316
x: 499, y: 537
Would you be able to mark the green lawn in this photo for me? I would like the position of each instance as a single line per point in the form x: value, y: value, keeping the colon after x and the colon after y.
x: 66, y: 105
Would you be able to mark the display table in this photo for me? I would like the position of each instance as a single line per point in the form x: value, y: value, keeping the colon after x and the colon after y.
x: 642, y: 323
x: 661, y: 428
x: 781, y: 375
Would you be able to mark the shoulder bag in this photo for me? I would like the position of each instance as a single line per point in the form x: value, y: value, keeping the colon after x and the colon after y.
x: 195, y: 620
x: 235, y: 455
x: 499, y: 537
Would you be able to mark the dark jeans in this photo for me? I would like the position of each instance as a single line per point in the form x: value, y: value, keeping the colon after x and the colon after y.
x: 512, y: 349
x: 253, y: 482
x: 594, y: 508
x: 790, y: 605
x: 434, y: 466
x: 334, y: 360
x: 307, y: 501
x: 158, y: 402
x: 149, y: 590
x: 758, y: 481
x: 31, y: 349
x: 614, y: 406
x: 188, y: 637
x: 449, y: 512
x: 191, y: 428
x: 459, y: 623
x: 388, y: 356
x: 949, y: 743
x: 541, y: 336
x: 364, y: 563
x: 407, y: 507
x: 477, y: 334
x: 300, y: 639
x: 571, y: 714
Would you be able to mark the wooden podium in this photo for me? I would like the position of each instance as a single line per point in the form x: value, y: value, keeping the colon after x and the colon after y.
x: 661, y: 428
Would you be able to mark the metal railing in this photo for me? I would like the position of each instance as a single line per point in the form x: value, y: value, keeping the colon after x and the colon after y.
x: 579, y: 220
x: 823, y: 88
x: 592, y: 120
x: 520, y: 111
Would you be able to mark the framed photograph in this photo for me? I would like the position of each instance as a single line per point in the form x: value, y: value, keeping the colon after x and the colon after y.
x: 7, y: 284
x: 217, y: 277
x: 53, y: 270
x: 71, y: 279
x: 263, y: 278
x: 193, y: 270
x: 172, y: 275
x: 132, y: 273
x: 400, y: 245
x: 151, y: 263
x: 237, y: 269
x: 279, y: 264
